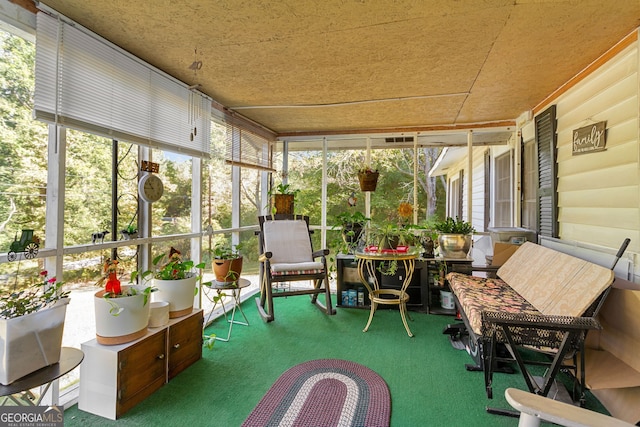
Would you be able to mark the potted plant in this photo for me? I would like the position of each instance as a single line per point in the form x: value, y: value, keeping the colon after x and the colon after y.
x: 175, y: 282
x: 31, y: 327
x: 130, y: 232
x: 283, y: 198
x: 121, y: 312
x: 227, y: 262
x: 352, y: 225
x: 454, y: 237
x: 368, y: 178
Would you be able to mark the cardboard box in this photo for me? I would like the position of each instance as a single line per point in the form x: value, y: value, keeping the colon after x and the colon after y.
x: 502, y: 252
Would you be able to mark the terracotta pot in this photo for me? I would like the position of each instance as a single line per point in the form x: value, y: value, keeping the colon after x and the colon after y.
x: 178, y: 293
x: 129, y: 324
x: 227, y: 270
x: 31, y: 342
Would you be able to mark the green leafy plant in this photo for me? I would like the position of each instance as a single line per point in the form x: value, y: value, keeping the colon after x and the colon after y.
x: 453, y: 226
x: 224, y: 250
x: 130, y: 229
x: 40, y: 293
x: 175, y: 269
x: 283, y: 189
x: 113, y: 289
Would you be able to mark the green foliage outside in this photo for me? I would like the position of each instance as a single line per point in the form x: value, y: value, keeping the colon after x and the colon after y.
x: 89, y: 183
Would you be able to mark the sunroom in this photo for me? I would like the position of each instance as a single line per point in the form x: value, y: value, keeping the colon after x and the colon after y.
x: 448, y: 100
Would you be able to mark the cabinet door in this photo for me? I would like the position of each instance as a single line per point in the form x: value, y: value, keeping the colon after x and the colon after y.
x: 185, y: 343
x: 141, y: 370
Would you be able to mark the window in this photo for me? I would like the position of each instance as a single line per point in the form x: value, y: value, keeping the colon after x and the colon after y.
x: 502, y: 211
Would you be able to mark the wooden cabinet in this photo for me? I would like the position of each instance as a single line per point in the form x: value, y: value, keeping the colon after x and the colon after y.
x: 113, y: 379
x: 185, y: 344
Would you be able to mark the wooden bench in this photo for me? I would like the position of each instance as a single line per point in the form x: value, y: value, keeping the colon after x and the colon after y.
x: 542, y: 299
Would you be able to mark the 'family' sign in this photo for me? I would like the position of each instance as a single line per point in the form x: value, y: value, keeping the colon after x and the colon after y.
x: 589, y: 138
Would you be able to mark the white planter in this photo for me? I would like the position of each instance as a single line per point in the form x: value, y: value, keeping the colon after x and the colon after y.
x: 31, y: 342
x: 178, y: 293
x: 159, y: 315
x: 130, y: 324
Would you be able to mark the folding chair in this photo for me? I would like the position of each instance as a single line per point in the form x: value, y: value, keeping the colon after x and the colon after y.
x: 286, y: 255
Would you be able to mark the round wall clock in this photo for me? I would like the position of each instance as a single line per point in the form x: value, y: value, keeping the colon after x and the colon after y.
x: 150, y: 188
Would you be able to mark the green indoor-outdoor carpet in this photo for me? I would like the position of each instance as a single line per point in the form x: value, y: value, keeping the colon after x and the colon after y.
x: 426, y: 376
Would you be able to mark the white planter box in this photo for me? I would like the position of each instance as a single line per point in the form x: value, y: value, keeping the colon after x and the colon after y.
x: 31, y: 342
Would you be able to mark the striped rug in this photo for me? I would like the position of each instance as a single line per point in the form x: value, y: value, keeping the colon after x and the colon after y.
x: 323, y: 393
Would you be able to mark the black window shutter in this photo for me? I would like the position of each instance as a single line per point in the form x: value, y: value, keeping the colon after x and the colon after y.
x: 547, y: 176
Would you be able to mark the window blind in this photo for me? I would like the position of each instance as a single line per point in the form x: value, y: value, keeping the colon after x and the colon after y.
x: 247, y: 149
x: 87, y: 83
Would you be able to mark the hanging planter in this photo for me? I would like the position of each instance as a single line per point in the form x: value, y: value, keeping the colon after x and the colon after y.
x: 368, y: 179
x: 283, y: 203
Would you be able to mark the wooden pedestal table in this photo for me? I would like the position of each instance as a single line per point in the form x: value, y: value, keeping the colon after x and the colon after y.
x: 367, y: 272
x: 235, y: 288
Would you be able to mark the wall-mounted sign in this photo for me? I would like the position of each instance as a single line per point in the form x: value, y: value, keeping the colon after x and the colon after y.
x: 590, y: 138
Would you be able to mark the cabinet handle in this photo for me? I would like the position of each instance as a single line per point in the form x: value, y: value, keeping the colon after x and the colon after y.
x: 176, y: 346
x: 161, y: 356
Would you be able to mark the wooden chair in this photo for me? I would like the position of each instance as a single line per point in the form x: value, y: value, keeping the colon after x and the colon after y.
x: 286, y: 255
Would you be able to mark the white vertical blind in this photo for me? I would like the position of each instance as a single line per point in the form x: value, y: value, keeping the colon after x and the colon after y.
x: 87, y: 83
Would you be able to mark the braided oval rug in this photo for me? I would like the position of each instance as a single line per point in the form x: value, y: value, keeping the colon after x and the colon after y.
x: 324, y: 393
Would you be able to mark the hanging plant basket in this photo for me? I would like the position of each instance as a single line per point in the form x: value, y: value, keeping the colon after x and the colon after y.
x: 283, y: 203
x: 368, y: 180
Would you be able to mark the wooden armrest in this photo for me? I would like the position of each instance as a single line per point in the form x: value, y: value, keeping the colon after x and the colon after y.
x: 265, y: 256
x: 469, y: 269
x: 321, y: 252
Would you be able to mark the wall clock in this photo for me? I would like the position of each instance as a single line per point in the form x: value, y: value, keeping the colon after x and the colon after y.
x: 150, y: 188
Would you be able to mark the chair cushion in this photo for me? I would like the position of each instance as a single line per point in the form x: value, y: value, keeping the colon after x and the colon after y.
x: 287, y: 268
x: 288, y: 241
x: 477, y: 294
x: 553, y: 282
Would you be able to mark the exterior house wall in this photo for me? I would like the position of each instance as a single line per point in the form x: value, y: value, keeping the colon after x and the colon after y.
x: 599, y: 192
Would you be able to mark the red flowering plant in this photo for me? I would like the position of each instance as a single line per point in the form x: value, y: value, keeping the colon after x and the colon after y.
x: 40, y: 293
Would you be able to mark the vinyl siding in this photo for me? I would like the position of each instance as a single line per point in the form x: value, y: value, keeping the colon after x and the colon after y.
x: 599, y: 193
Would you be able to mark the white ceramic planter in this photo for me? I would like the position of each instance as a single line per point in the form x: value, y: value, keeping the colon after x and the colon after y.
x: 178, y: 293
x: 159, y: 315
x: 130, y: 324
x: 31, y: 342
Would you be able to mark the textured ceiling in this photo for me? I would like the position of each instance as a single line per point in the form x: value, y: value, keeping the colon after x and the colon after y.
x: 319, y: 66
